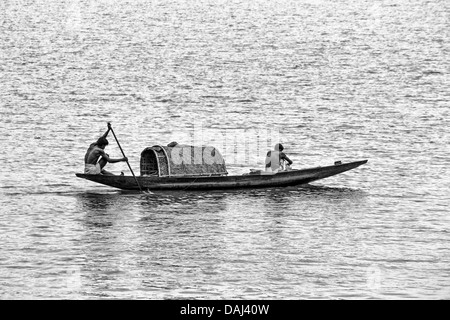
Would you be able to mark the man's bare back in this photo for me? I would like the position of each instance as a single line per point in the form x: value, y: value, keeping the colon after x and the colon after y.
x: 93, y: 154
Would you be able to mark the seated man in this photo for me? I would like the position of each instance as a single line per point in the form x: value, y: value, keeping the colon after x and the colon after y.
x: 96, y: 158
x: 274, y: 159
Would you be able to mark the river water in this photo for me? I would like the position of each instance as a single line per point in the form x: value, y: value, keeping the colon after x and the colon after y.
x: 335, y: 80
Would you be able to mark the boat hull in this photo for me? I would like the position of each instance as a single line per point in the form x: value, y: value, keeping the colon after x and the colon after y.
x: 281, y: 179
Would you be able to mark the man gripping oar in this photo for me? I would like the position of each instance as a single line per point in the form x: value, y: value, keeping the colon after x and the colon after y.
x: 96, y: 158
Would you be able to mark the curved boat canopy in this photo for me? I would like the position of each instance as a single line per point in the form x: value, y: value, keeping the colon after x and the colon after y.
x: 182, y: 160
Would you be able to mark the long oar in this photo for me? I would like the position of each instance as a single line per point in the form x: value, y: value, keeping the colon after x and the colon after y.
x: 125, y: 157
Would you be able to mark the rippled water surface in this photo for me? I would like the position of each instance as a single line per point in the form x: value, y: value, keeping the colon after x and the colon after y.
x: 341, y: 80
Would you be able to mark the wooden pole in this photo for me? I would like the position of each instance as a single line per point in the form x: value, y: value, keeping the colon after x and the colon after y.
x: 125, y: 157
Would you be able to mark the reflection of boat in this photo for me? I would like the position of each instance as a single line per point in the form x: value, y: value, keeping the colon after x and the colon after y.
x: 165, y: 168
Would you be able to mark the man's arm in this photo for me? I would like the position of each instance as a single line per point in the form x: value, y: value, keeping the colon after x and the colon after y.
x: 107, y: 131
x: 284, y: 157
x: 111, y: 160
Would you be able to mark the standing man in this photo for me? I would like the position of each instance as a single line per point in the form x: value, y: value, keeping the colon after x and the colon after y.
x: 96, y: 158
x: 275, y: 157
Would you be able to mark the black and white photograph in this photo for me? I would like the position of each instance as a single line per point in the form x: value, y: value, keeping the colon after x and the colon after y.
x: 224, y: 154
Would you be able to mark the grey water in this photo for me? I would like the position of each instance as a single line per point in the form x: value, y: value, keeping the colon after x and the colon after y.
x: 340, y: 80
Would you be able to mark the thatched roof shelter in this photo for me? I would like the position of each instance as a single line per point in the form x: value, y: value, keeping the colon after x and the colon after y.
x: 182, y: 160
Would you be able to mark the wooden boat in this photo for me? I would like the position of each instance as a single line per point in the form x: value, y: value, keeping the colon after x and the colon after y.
x: 280, y: 179
x: 161, y: 170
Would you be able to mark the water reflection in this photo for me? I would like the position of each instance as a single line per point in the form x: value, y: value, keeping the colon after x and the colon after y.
x: 176, y: 241
x: 101, y: 208
x: 181, y: 242
x: 169, y: 198
x: 98, y: 209
x: 97, y: 202
x: 104, y: 242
